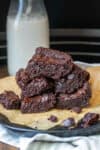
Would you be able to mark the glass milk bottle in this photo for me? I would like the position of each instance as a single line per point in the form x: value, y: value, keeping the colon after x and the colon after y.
x: 27, y: 28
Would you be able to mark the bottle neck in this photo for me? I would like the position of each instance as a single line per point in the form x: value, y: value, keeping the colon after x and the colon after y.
x: 33, y: 3
x: 29, y: 6
x: 24, y: 8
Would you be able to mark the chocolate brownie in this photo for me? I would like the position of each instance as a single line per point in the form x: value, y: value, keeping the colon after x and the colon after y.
x: 37, y: 86
x: 52, y: 53
x: 22, y: 78
x: 77, y: 99
x: 40, y: 103
x: 49, y: 65
x: 10, y: 100
x: 72, y: 82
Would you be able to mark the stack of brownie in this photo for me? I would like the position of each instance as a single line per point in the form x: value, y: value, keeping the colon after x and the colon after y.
x: 52, y: 80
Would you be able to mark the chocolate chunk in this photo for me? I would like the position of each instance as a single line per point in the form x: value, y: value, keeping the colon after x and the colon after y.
x: 70, y: 76
x: 88, y: 120
x: 69, y: 122
x: 53, y: 118
x: 10, y: 100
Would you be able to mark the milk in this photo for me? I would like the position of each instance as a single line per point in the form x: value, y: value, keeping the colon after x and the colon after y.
x: 23, y: 38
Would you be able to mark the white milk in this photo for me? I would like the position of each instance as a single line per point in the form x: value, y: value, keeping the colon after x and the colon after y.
x: 23, y: 38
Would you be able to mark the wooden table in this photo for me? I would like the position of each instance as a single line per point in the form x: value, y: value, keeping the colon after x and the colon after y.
x: 3, y: 73
x: 6, y: 147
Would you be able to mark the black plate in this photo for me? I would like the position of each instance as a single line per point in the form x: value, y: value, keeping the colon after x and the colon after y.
x: 57, y: 131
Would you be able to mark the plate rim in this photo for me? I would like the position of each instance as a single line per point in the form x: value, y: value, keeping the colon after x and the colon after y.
x: 91, y: 130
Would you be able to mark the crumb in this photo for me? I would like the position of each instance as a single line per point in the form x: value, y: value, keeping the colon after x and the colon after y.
x: 88, y: 120
x: 53, y: 118
x: 69, y: 122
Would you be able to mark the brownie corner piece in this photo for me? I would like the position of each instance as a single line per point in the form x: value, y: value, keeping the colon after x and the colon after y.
x: 78, y: 99
x: 10, y: 100
x: 22, y: 78
x: 41, y: 103
x: 73, y: 81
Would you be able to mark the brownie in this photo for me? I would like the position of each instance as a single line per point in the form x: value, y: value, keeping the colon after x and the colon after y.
x: 52, y: 80
x: 88, y: 120
x: 77, y: 99
x: 50, y: 65
x: 22, y: 78
x: 10, y: 100
x: 39, y: 103
x: 37, y: 86
x: 52, y: 53
x: 72, y: 82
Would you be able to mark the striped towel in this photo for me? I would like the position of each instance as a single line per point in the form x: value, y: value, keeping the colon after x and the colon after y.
x: 48, y: 142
